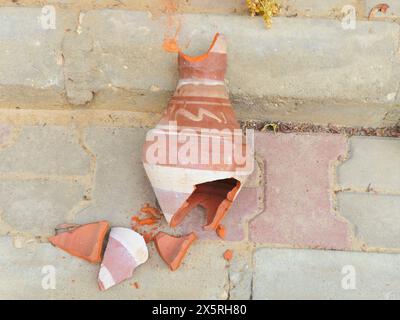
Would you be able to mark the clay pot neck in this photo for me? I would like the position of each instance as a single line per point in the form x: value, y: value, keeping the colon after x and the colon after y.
x: 210, y: 65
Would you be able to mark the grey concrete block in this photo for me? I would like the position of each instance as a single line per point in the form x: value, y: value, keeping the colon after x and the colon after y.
x: 30, y: 52
x: 120, y: 185
x: 373, y: 163
x: 375, y: 217
x: 36, y: 207
x: 49, y: 150
x: 315, y: 274
x: 241, y: 274
x: 298, y: 58
x: 202, y: 275
x: 315, y: 8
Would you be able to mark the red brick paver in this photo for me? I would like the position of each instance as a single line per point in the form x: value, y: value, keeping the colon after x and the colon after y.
x: 298, y: 192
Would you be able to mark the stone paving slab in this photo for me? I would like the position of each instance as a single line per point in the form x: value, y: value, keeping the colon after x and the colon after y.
x: 375, y: 217
x: 203, y: 275
x: 48, y: 150
x: 241, y: 273
x: 292, y: 200
x: 36, y: 207
x: 317, y: 274
x: 32, y: 52
x: 119, y: 183
x: 373, y: 164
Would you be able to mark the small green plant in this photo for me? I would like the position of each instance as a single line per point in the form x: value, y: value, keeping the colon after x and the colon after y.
x: 266, y: 8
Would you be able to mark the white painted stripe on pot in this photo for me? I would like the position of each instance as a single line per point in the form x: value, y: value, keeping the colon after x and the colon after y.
x: 106, y: 277
x: 183, y: 180
x: 206, y: 82
x: 133, y: 242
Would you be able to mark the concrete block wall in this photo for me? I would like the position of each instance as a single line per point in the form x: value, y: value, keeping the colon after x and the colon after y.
x: 109, y: 55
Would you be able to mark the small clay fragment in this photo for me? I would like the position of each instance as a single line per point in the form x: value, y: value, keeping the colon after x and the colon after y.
x: 147, y: 209
x: 148, y: 221
x: 221, y: 231
x: 83, y: 241
x: 173, y: 249
x: 148, y: 236
x: 228, y: 255
x: 126, y: 249
x: 381, y: 7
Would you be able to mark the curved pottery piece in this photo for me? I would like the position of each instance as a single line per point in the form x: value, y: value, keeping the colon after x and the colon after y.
x: 83, y: 241
x: 126, y: 250
x: 173, y: 249
x: 197, y: 154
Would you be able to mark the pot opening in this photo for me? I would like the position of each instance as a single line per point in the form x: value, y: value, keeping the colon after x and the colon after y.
x: 215, y: 197
x: 202, y: 56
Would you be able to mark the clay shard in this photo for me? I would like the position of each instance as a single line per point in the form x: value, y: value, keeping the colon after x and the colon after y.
x: 228, y: 255
x: 83, y: 241
x: 173, y: 249
x: 126, y: 250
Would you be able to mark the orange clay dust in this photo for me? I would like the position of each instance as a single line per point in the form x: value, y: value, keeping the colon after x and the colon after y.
x: 148, y: 236
x: 228, y: 255
x: 142, y: 225
x: 152, y: 211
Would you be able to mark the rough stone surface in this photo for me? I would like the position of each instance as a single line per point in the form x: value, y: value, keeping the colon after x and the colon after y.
x: 30, y: 53
x: 313, y: 8
x: 373, y: 164
x: 24, y: 271
x: 37, y: 206
x: 298, y: 193
x: 107, y: 55
x: 279, y: 75
x: 241, y: 274
x: 49, y: 150
x: 120, y: 185
x: 375, y: 217
x: 315, y: 274
x: 308, y: 8
x: 5, y: 133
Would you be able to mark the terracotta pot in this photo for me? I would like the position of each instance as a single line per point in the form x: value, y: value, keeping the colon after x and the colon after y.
x: 197, y: 155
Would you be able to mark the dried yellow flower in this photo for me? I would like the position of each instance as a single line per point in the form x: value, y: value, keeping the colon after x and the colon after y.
x: 266, y: 8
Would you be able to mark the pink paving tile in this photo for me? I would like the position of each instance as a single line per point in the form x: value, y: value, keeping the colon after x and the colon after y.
x: 298, y: 192
x: 244, y: 206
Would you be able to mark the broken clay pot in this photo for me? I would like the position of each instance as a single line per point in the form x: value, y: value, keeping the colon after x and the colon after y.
x: 83, y: 241
x: 173, y: 249
x: 197, y: 154
x: 126, y: 249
